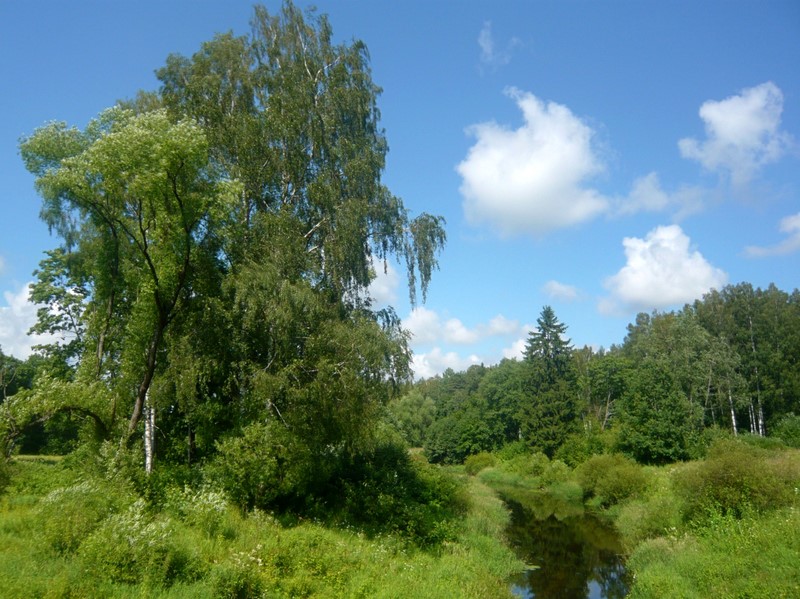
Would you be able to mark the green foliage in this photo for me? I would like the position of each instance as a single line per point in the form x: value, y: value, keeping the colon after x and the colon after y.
x: 549, y: 417
x: 464, y: 432
x: 611, y: 479
x: 261, y: 466
x: 5, y: 475
x: 132, y: 543
x: 139, y: 552
x: 580, y: 446
x: 412, y: 414
x: 736, y: 478
x: 788, y: 430
x: 203, y: 509
x: 475, y: 463
x: 386, y: 490
x: 659, y: 424
x: 753, y: 557
x: 70, y: 514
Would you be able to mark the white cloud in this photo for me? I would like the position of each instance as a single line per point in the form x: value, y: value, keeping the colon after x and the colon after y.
x: 436, y: 361
x: 647, y: 195
x: 560, y: 291
x: 427, y: 327
x: 742, y: 133
x: 15, y: 320
x: 531, y: 179
x: 491, y: 56
x: 662, y: 270
x: 789, y: 225
x: 383, y: 288
x: 2, y: 265
x: 516, y: 350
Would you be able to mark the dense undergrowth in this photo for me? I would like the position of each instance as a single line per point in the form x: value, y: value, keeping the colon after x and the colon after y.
x: 68, y: 530
x: 724, y: 526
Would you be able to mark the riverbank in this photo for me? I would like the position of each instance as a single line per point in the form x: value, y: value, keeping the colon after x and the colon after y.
x: 724, y: 526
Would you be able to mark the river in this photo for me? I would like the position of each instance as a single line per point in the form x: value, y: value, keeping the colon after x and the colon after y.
x: 574, y: 556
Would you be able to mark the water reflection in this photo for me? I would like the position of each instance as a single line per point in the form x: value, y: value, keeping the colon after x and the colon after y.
x: 575, y: 556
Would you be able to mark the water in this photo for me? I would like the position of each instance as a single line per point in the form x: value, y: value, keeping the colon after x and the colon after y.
x: 574, y: 556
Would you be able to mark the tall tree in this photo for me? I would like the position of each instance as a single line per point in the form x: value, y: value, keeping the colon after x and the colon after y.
x: 227, y: 230
x: 550, y: 413
x: 135, y: 196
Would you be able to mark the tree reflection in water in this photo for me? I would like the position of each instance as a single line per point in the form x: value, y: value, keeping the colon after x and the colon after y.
x: 576, y: 556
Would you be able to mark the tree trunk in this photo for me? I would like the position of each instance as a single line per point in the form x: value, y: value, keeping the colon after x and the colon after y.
x: 733, y: 413
x: 149, y: 433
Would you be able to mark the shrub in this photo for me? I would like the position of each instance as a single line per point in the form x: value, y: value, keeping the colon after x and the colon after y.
x: 788, y: 430
x: 657, y: 516
x: 131, y: 547
x: 611, y: 478
x: 262, y: 465
x: 204, y: 509
x: 68, y: 515
x: 5, y: 474
x: 527, y: 464
x: 734, y: 478
x: 475, y: 463
x: 387, y: 491
x: 236, y: 581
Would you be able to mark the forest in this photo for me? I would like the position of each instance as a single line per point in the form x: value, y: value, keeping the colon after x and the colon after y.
x: 227, y: 413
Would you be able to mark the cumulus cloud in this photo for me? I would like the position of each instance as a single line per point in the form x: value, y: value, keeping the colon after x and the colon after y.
x: 428, y: 327
x: 16, y: 318
x: 662, y: 270
x: 789, y: 225
x: 440, y: 343
x: 383, y: 288
x: 560, y: 291
x: 742, y: 133
x: 436, y: 361
x: 647, y: 195
x: 532, y: 179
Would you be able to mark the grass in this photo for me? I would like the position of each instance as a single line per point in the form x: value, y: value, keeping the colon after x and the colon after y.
x: 199, y: 546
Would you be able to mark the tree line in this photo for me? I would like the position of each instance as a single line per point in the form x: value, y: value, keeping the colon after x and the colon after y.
x: 728, y: 362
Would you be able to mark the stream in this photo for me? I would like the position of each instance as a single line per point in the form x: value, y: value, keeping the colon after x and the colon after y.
x: 570, y: 556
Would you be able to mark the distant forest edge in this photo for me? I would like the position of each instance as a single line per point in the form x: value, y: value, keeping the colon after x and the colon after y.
x: 727, y: 364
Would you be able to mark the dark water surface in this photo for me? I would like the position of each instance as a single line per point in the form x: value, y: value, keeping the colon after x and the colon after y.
x: 572, y: 556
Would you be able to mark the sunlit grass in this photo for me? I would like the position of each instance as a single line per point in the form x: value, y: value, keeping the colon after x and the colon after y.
x: 233, y: 554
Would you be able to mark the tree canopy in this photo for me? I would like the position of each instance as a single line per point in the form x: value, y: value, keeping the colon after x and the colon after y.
x: 219, y: 237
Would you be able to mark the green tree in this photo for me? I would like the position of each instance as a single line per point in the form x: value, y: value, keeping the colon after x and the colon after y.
x: 658, y: 424
x: 413, y: 413
x: 551, y: 411
x: 137, y: 198
x: 226, y: 231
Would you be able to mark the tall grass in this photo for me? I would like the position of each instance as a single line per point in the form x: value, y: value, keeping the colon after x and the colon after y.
x: 198, y: 545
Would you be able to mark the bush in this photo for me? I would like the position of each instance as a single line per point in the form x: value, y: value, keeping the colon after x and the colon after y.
x: 527, y: 464
x: 788, y: 430
x: 734, y: 478
x: 131, y: 547
x: 388, y: 491
x: 475, y: 463
x: 611, y: 478
x: 68, y: 515
x: 261, y: 466
x: 5, y: 474
x: 204, y: 509
x: 657, y: 516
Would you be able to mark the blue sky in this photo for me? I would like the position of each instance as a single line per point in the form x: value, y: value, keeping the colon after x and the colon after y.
x: 604, y: 158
